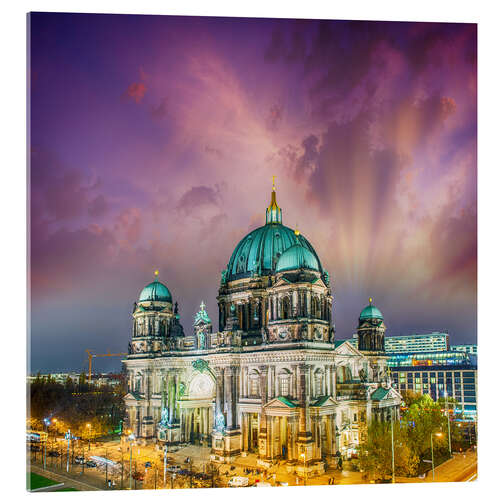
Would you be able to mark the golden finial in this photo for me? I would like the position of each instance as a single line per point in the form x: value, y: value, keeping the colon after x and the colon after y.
x: 274, y: 187
x: 297, y: 232
x: 370, y: 300
x: 157, y: 272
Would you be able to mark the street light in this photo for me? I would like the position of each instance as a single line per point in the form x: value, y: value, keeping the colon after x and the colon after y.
x: 438, y: 434
x: 392, y: 447
x: 89, y: 427
x: 131, y: 438
x: 303, y: 455
x: 448, y: 417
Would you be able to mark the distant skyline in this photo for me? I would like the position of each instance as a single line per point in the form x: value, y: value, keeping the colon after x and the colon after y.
x: 154, y: 139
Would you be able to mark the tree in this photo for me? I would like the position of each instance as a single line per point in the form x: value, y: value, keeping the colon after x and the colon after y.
x: 423, y: 418
x: 375, y: 454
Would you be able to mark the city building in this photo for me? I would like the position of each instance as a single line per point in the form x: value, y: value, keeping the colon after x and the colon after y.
x: 425, y: 342
x: 451, y: 374
x: 59, y: 377
x: 272, y: 380
x: 470, y: 348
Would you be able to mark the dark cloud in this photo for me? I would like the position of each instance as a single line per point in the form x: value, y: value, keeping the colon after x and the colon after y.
x: 62, y: 192
x: 98, y: 206
x: 214, y: 151
x: 159, y: 112
x: 196, y: 197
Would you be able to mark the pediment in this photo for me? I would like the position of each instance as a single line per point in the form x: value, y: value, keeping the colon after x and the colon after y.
x: 132, y: 396
x: 348, y: 349
x: 325, y: 401
x: 280, y: 402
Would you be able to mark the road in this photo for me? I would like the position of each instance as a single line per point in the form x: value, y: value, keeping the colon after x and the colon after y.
x: 462, y: 467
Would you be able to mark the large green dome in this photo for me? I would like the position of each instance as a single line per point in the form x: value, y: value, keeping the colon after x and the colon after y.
x: 370, y: 312
x: 297, y: 257
x: 257, y: 254
x: 155, y: 291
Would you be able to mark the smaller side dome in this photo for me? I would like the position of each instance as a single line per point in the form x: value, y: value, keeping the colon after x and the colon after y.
x: 297, y: 257
x: 370, y: 312
x: 155, y: 291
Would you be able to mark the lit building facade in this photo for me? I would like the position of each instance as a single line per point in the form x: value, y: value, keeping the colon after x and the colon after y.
x: 470, y: 348
x: 436, y: 341
x: 271, y: 380
x: 440, y: 374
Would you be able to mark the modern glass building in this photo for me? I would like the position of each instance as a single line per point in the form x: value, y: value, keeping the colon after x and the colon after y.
x: 471, y: 348
x: 438, y: 374
x: 425, y: 342
x: 435, y: 341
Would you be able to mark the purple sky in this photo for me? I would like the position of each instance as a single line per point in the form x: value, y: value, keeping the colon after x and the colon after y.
x: 153, y: 143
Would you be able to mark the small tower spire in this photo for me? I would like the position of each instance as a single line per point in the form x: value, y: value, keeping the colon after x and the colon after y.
x: 273, y: 211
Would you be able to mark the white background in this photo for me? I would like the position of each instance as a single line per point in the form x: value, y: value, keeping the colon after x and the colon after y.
x: 13, y: 220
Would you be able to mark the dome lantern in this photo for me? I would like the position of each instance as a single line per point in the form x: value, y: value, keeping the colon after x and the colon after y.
x: 155, y: 291
x: 273, y: 211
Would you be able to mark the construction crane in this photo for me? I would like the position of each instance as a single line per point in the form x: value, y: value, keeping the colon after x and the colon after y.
x: 108, y: 354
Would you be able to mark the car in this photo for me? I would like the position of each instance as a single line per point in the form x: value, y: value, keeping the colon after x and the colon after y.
x: 174, y: 468
x: 238, y: 481
x: 138, y: 475
x: 79, y: 460
x: 53, y: 453
x: 147, y: 465
x: 91, y: 464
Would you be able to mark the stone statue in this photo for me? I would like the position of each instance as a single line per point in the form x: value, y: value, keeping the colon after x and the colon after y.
x: 220, y: 422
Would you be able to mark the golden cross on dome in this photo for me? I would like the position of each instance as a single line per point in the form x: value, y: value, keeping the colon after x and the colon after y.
x: 202, y: 305
x: 370, y: 300
x: 274, y: 187
x: 157, y: 272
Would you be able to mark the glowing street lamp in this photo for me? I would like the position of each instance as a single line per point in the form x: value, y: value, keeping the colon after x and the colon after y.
x: 89, y: 427
x: 131, y: 438
x: 438, y: 434
x: 303, y: 455
x: 448, y: 417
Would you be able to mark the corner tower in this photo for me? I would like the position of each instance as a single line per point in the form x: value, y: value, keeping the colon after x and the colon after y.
x: 371, y: 330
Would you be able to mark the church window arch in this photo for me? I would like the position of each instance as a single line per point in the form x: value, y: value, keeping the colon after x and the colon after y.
x: 254, y: 384
x: 319, y: 379
x: 284, y: 379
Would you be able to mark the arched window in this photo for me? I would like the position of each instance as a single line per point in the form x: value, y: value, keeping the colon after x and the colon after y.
x: 254, y: 384
x: 285, y: 308
x: 319, y: 382
x: 284, y: 379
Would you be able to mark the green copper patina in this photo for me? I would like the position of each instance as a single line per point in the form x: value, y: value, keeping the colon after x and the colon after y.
x: 202, y: 316
x: 155, y: 291
x: 257, y: 254
x: 370, y: 312
x: 200, y: 365
x: 297, y: 257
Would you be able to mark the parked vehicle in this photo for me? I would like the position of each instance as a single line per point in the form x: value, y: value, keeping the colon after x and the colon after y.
x: 238, y: 481
x: 53, y: 453
x: 79, y: 460
x: 147, y: 465
x: 91, y: 463
x: 138, y: 475
x: 174, y: 468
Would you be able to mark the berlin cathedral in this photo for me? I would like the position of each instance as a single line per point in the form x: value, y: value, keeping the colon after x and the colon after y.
x: 272, y: 380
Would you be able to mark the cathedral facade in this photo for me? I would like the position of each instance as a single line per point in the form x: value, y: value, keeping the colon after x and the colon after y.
x: 272, y: 380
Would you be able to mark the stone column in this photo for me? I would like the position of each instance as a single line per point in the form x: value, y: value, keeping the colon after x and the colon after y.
x: 230, y: 403
x: 219, y: 391
x: 308, y: 304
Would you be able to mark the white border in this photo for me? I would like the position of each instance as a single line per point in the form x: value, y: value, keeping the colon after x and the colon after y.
x: 13, y: 196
